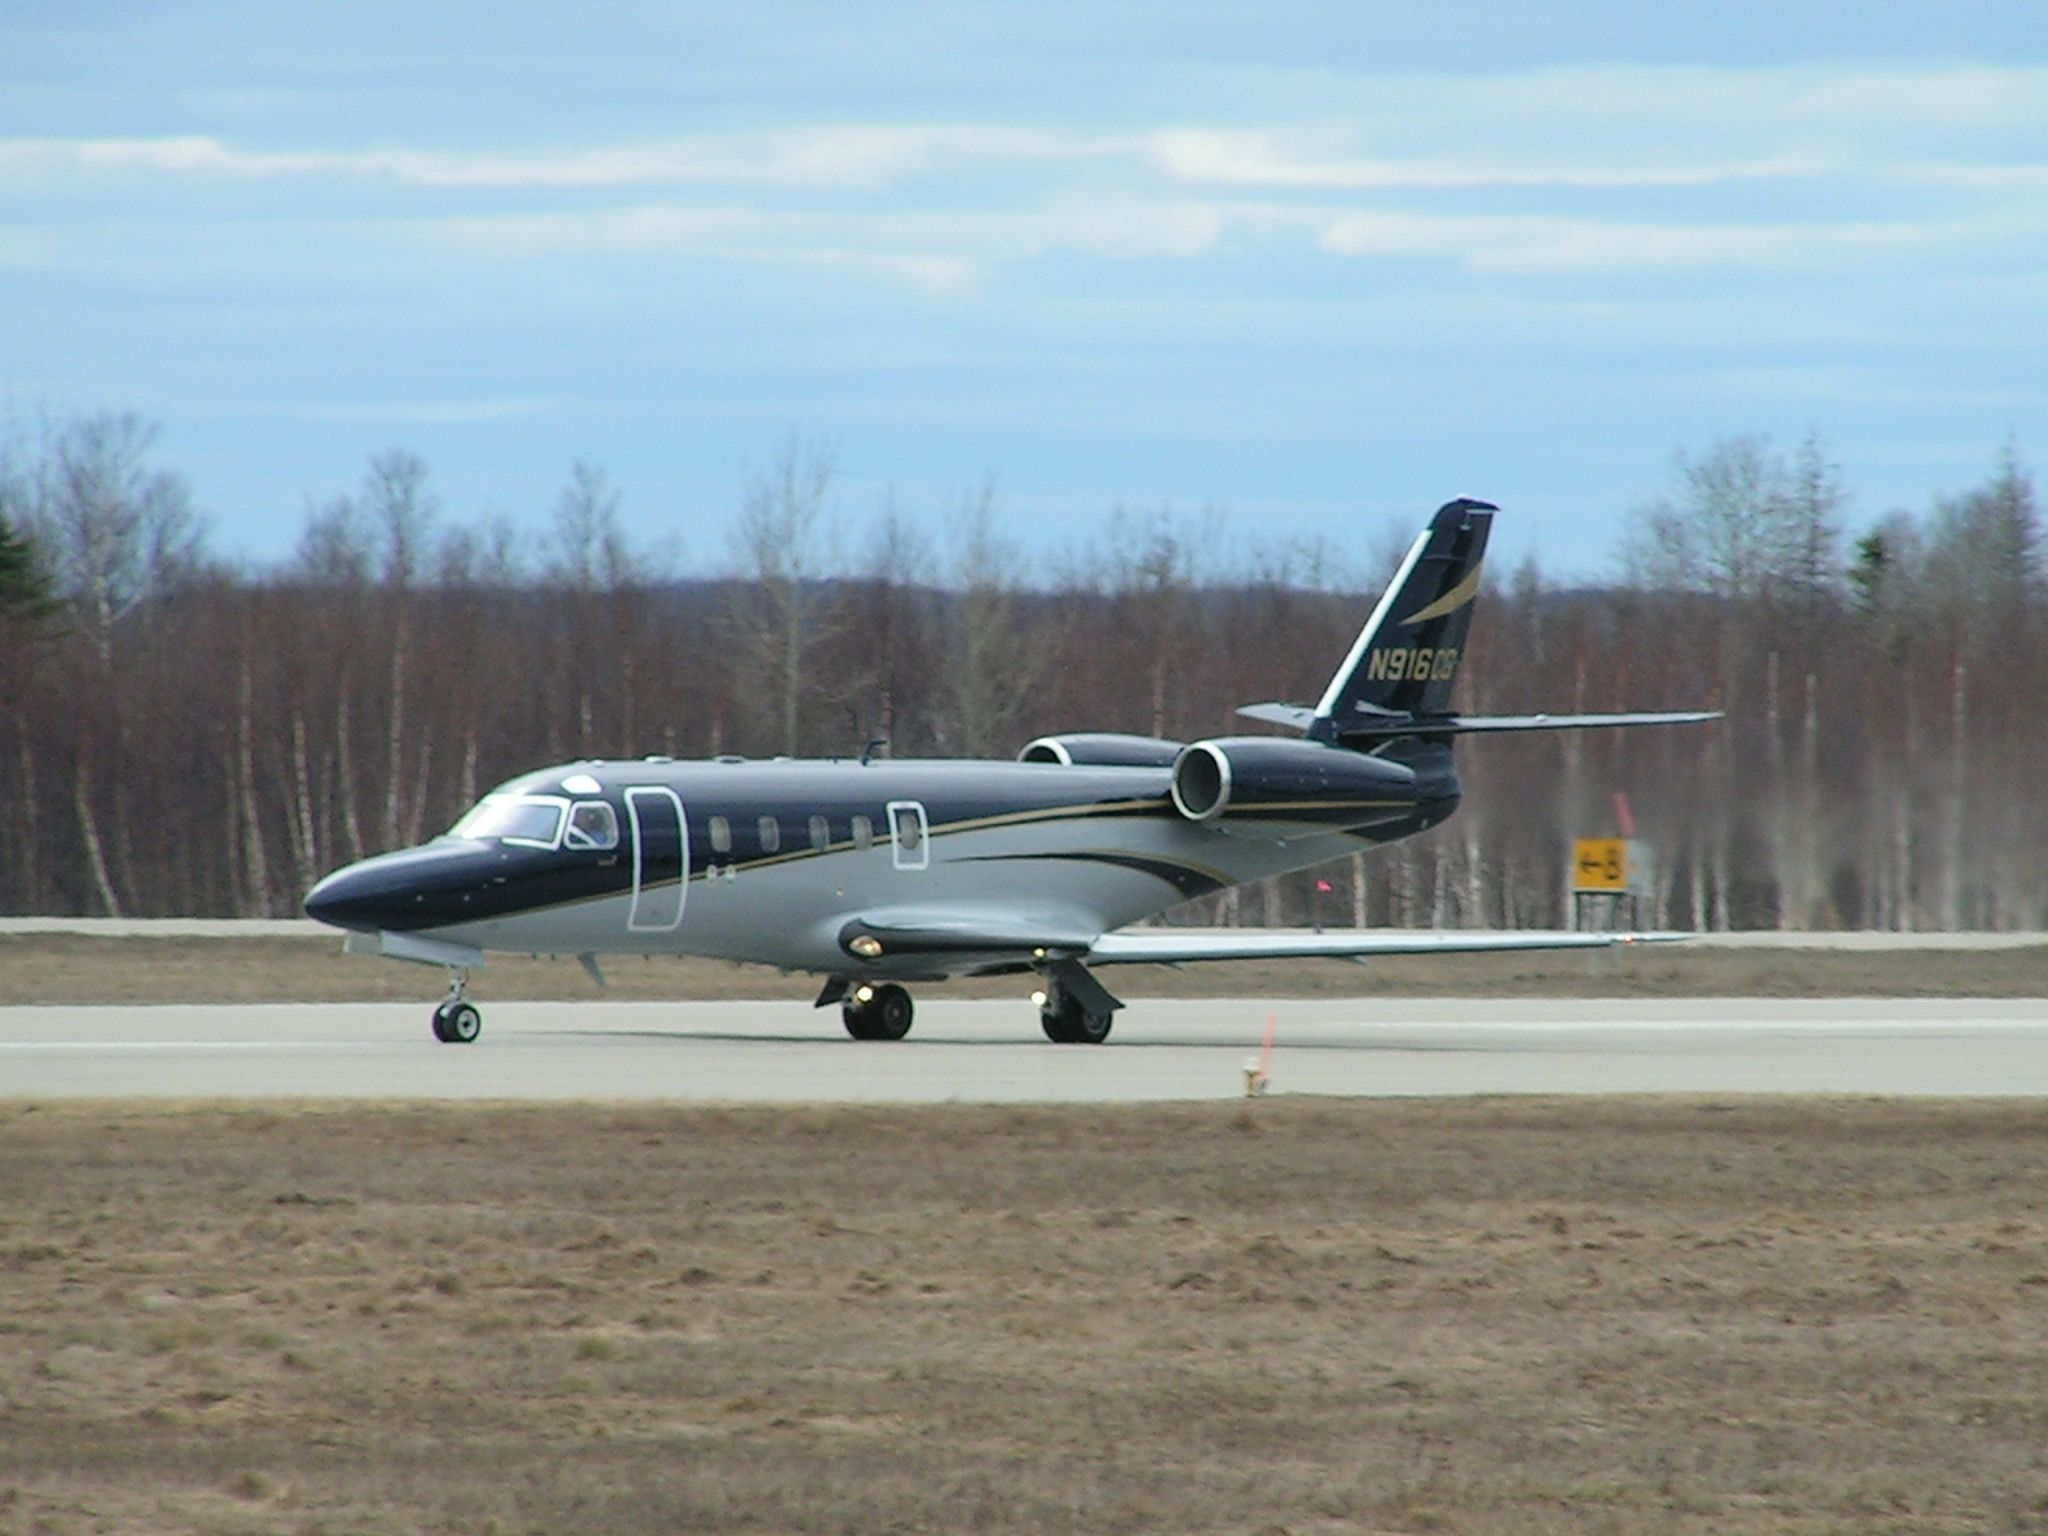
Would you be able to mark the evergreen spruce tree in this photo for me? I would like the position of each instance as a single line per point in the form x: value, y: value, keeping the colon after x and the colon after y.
x: 24, y: 584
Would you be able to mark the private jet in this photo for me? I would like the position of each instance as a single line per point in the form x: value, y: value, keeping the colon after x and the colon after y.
x: 872, y: 873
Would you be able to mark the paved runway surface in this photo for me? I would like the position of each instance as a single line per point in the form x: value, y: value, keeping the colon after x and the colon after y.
x: 985, y: 1051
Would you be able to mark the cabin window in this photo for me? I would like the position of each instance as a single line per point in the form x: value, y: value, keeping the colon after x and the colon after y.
x: 863, y: 832
x: 771, y: 833
x: 909, y: 829
x: 821, y: 833
x: 721, y: 835
x: 592, y: 824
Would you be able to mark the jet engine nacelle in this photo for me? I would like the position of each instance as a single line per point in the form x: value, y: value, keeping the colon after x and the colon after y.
x: 1273, y: 778
x: 1101, y: 749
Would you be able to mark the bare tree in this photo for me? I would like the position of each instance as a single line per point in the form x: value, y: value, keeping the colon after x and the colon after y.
x: 888, y: 687
x: 116, y: 531
x: 1721, y: 533
x: 402, y: 511
x: 785, y: 610
x: 990, y: 674
x: 334, y: 548
x: 586, y: 550
x: 586, y: 557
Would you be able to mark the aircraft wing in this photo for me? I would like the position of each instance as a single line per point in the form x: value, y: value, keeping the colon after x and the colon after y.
x: 960, y: 934
x: 1175, y: 946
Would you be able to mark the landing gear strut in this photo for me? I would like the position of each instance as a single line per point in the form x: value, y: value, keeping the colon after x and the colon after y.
x: 456, y: 1021
x: 877, y: 1013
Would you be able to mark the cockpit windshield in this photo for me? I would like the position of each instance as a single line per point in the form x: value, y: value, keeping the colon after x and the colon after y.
x: 525, y: 819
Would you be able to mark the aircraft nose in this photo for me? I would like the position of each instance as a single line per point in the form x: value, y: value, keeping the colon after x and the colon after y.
x: 414, y: 888
x: 359, y: 896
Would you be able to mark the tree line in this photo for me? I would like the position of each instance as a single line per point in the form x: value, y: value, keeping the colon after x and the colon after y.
x: 180, y: 736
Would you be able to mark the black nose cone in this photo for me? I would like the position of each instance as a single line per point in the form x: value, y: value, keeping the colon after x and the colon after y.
x: 422, y: 887
x: 358, y: 897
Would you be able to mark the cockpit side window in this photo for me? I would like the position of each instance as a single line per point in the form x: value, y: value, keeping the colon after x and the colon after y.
x: 592, y: 824
x: 531, y: 821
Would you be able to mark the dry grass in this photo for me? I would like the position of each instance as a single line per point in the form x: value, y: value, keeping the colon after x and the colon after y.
x: 1482, y: 1316
x: 71, y: 968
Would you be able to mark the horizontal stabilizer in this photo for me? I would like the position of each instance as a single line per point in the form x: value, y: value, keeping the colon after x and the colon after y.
x: 1381, y: 728
x: 1175, y: 946
x: 1296, y: 717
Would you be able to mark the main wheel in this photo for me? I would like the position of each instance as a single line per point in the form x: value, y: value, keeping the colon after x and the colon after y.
x: 885, y: 1015
x: 1092, y: 1028
x: 1071, y: 1024
x: 457, y: 1023
x: 890, y: 1013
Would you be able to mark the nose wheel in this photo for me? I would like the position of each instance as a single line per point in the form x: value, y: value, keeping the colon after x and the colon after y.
x: 456, y: 1021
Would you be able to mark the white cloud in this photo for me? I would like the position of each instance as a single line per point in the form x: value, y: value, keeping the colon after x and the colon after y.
x: 1619, y: 127
x: 1260, y: 160
x: 832, y: 157
x: 416, y: 412
x: 1566, y: 246
x: 1609, y: 170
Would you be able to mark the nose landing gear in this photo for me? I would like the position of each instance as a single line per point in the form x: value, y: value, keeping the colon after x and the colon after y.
x: 456, y: 1021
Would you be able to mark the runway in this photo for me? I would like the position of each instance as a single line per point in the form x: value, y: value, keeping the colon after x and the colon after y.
x: 975, y: 1051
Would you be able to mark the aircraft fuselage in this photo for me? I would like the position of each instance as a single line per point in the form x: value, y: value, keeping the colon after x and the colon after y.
x: 763, y: 861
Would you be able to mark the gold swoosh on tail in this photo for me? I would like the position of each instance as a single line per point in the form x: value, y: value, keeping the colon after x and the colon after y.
x: 1451, y: 601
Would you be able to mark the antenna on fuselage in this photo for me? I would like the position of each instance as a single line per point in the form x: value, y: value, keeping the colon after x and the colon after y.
x: 867, y: 752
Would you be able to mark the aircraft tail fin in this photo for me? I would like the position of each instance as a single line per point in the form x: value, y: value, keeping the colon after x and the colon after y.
x: 1395, y: 685
x: 1405, y: 659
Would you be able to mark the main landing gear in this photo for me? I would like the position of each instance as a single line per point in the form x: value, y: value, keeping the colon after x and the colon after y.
x: 877, y: 1013
x: 1073, y: 1007
x: 456, y: 1021
x: 1068, y: 1021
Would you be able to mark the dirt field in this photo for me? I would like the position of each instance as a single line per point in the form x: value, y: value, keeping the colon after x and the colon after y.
x: 69, y: 968
x: 1484, y: 1316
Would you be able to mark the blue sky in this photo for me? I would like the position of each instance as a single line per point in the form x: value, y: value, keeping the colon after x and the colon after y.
x: 1318, y: 265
